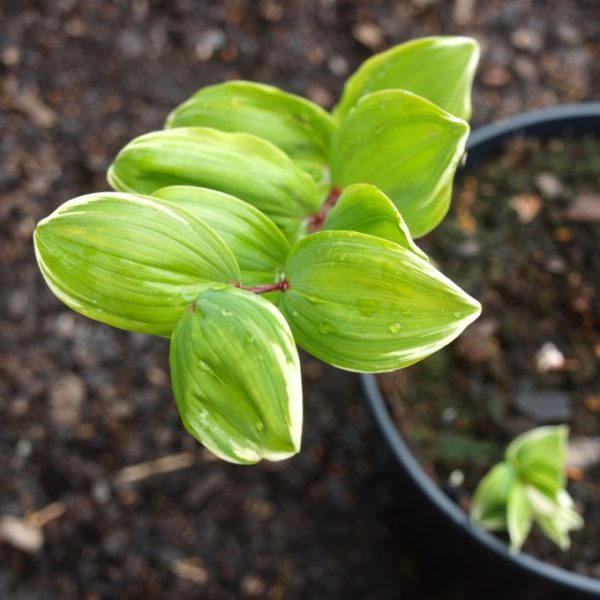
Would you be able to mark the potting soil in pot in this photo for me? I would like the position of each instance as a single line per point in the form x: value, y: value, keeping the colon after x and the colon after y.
x: 522, y: 237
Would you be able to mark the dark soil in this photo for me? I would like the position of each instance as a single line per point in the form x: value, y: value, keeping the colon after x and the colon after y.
x: 522, y: 237
x: 80, y: 402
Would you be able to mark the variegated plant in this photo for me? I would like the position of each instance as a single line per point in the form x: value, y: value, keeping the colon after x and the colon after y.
x: 527, y: 487
x: 256, y: 221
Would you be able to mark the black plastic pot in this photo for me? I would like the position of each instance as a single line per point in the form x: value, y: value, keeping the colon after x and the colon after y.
x: 439, y: 519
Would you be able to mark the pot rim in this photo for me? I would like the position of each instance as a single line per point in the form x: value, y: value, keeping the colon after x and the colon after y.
x: 485, y: 142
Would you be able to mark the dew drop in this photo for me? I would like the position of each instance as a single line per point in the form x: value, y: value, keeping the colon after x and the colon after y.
x: 458, y: 314
x: 260, y: 425
x: 249, y: 339
x: 325, y: 327
x: 205, y: 367
x: 395, y: 327
x: 294, y: 313
x: 226, y: 312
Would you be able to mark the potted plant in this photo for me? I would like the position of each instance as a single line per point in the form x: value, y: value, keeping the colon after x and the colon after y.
x: 536, y: 188
x: 256, y: 221
x: 252, y: 222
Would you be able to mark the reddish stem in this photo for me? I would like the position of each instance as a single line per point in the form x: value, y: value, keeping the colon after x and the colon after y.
x: 315, y: 222
x: 282, y: 285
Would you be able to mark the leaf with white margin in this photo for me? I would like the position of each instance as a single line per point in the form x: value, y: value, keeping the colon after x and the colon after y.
x: 406, y: 146
x: 364, y: 208
x: 236, y: 377
x: 519, y: 516
x: 439, y: 68
x: 362, y: 303
x: 243, y: 165
x: 130, y: 261
x: 539, y: 457
x: 299, y: 127
x: 257, y: 244
x: 561, y: 521
x: 488, y: 505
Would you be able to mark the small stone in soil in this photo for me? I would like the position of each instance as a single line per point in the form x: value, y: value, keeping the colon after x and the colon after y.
x: 583, y: 451
x: 549, y: 358
x: 546, y: 406
x: 21, y: 534
x: 456, y: 478
x: 584, y: 208
x: 527, y: 206
x: 549, y: 185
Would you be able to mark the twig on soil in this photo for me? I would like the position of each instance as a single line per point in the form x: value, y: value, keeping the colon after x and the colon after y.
x: 160, y: 466
x: 191, y: 569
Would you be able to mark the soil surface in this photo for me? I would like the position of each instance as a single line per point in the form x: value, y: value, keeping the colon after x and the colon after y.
x: 523, y: 238
x: 81, y: 403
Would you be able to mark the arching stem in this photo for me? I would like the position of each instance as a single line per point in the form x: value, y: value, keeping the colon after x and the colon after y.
x: 315, y: 222
x: 282, y: 285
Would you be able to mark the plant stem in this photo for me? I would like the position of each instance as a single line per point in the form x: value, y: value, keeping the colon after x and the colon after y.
x: 282, y: 285
x: 315, y: 222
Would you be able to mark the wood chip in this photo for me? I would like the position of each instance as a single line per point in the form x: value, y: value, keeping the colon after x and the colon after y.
x: 191, y: 569
x: 66, y: 399
x: 527, y: 206
x: 583, y: 452
x: 28, y: 103
x: 160, y: 466
x: 252, y: 586
x: 463, y: 12
x: 549, y: 185
x: 369, y: 35
x: 496, y: 76
x: 48, y: 513
x: 320, y: 96
x: 584, y: 208
x: 592, y: 402
x: 21, y: 534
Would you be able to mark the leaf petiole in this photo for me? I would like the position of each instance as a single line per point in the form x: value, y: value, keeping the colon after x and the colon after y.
x: 282, y: 286
x: 315, y: 222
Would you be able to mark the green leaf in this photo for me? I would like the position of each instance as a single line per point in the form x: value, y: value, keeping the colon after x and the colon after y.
x: 539, y: 457
x: 439, y: 68
x: 553, y: 530
x: 406, y: 146
x: 519, y: 516
x: 488, y: 507
x: 258, y: 246
x: 563, y: 519
x: 300, y: 128
x: 130, y: 261
x: 239, y: 164
x: 236, y: 377
x: 366, y: 304
x: 363, y: 208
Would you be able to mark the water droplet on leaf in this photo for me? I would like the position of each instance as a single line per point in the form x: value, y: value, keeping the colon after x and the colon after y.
x: 325, y: 327
x: 205, y: 367
x: 395, y: 327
